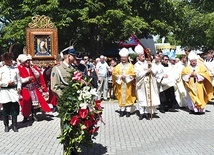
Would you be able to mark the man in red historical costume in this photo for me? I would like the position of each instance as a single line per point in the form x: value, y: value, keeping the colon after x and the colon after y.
x: 32, y: 85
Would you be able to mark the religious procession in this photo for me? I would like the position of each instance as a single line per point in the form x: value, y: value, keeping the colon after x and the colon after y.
x: 149, y: 84
x: 139, y: 73
x: 77, y: 87
x: 163, y: 83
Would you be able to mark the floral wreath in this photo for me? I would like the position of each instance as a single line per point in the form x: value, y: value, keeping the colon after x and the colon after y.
x: 79, y: 111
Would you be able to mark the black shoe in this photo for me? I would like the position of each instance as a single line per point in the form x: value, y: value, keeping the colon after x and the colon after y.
x: 137, y: 112
x: 191, y: 112
x: 34, y: 118
x: 14, y: 124
x: 162, y: 110
x: 201, y: 113
x: 54, y: 109
x: 147, y: 116
x: 166, y: 109
x: 25, y: 120
x: 6, y: 123
x: 122, y: 113
x: 140, y: 116
x: 6, y: 129
x: 128, y: 114
x: 173, y: 110
x: 14, y: 128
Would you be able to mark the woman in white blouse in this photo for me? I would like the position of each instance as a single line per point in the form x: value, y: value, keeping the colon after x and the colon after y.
x: 10, y: 86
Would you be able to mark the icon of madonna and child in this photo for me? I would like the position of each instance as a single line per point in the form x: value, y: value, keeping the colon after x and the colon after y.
x: 42, y: 48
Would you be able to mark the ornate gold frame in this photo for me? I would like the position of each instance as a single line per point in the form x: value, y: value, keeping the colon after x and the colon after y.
x: 42, y: 39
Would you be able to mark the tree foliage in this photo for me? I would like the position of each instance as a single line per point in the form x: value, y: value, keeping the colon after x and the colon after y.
x: 91, y: 23
x: 196, y: 23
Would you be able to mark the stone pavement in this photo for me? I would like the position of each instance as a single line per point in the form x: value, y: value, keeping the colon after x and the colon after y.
x: 172, y: 133
x: 33, y: 138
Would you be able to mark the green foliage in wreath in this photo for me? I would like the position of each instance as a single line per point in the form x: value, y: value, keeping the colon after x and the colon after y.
x: 79, y: 112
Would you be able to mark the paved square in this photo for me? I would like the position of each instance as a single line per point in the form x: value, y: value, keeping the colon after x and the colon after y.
x: 173, y: 133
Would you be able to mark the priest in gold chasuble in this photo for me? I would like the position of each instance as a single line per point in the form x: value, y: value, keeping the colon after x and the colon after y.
x: 123, y: 79
x: 198, y: 85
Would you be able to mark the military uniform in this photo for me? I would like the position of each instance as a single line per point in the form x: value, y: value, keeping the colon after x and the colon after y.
x: 60, y: 77
x: 60, y: 74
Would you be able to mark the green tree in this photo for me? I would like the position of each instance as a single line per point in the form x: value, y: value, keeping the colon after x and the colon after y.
x: 92, y: 24
x: 196, y: 23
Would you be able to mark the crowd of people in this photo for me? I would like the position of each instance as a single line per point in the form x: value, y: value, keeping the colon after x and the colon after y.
x: 163, y: 82
x: 159, y: 82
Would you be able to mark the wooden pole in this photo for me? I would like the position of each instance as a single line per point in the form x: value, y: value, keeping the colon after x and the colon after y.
x: 150, y: 95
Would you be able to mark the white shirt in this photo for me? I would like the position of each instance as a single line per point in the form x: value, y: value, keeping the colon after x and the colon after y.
x: 9, y: 74
x: 102, y: 69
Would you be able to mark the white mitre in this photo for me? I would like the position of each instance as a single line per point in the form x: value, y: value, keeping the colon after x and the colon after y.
x: 124, y: 52
x: 139, y: 49
x: 192, y: 56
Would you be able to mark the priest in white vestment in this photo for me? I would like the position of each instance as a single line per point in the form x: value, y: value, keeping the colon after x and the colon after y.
x: 166, y: 81
x: 209, y: 62
x: 180, y: 91
x: 146, y: 85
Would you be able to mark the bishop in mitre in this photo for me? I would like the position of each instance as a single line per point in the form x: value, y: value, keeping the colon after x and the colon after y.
x: 123, y: 79
x: 198, y: 85
x: 146, y: 85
